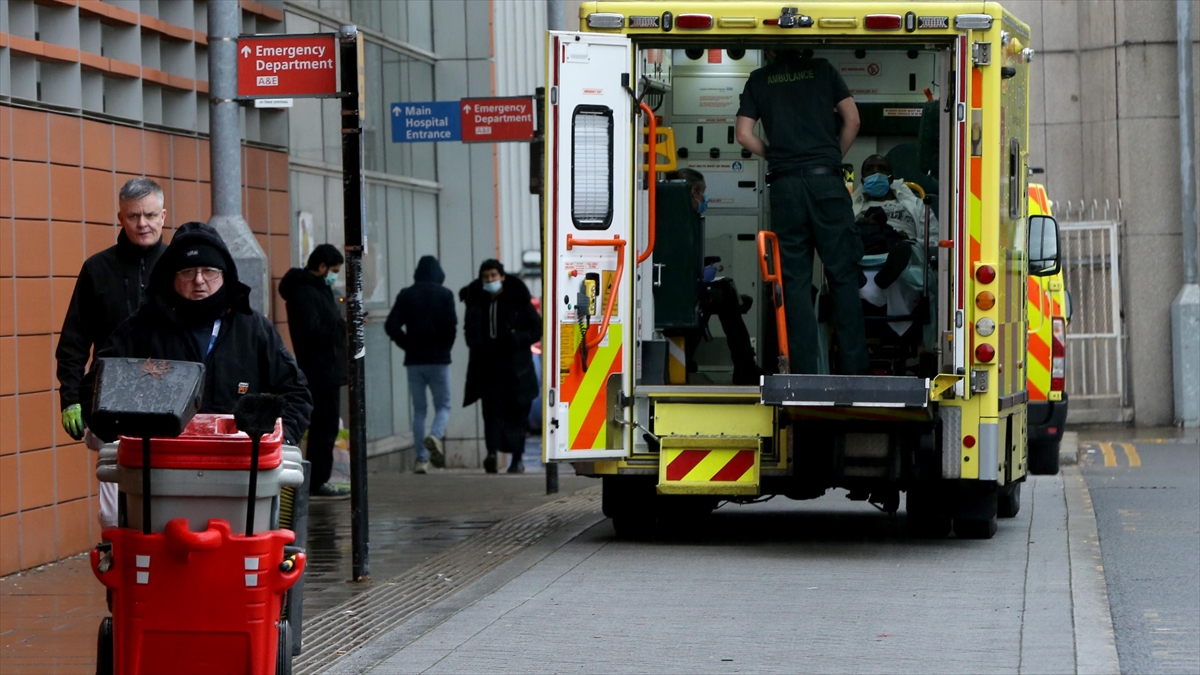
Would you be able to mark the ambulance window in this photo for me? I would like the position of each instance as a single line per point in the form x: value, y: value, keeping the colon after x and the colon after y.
x: 1014, y: 179
x: 591, y: 167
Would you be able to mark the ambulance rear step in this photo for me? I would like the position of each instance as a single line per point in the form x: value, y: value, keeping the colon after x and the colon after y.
x: 845, y: 391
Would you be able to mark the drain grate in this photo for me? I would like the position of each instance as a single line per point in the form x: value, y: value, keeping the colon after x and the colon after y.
x: 346, y: 627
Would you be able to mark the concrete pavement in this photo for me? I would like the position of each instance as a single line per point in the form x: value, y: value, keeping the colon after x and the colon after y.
x: 821, y: 586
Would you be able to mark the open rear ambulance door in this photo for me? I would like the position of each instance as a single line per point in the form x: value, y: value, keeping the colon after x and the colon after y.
x: 589, y: 240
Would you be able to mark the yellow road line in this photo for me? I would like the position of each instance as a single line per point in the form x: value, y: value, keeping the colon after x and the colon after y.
x: 1131, y: 454
x: 1110, y: 457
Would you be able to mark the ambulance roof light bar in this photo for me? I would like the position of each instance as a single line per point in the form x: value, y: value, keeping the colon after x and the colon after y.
x: 973, y: 22
x: 694, y: 21
x: 606, y: 20
x: 882, y: 22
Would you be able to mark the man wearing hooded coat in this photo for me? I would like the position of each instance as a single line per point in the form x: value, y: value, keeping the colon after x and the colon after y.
x: 241, y: 351
x: 423, y: 323
x: 501, y: 326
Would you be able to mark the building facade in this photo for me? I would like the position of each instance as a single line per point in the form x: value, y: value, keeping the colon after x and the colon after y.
x: 94, y: 92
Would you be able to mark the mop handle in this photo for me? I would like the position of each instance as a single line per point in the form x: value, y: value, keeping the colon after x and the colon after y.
x: 146, y: 485
x: 255, y: 439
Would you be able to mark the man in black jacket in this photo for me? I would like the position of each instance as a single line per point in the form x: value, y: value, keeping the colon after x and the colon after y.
x: 423, y: 323
x: 197, y: 310
x: 319, y: 339
x: 109, y: 289
x: 500, y: 326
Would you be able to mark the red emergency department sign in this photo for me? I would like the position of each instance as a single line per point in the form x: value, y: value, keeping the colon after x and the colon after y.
x: 287, y: 65
x: 495, y: 120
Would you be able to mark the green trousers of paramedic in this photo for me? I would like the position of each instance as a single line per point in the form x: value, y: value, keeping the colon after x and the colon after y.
x: 815, y: 211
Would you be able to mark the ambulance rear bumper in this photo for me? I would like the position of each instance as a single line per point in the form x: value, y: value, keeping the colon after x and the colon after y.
x: 1046, y: 420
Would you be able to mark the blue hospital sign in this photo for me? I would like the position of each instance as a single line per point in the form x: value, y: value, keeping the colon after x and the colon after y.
x: 426, y: 122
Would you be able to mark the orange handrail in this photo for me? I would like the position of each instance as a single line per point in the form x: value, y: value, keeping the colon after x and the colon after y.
x: 619, y: 244
x: 770, y: 264
x: 652, y: 161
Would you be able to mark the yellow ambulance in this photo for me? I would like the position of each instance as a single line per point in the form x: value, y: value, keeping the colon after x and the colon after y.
x: 1049, y: 309
x: 641, y: 346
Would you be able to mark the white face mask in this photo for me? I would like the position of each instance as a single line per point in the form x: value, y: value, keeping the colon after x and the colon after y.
x: 492, y: 287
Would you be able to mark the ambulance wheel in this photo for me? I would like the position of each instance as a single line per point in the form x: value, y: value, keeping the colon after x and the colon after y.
x: 975, y: 510
x: 684, y: 516
x: 926, y: 515
x: 1043, y: 458
x: 1008, y: 501
x: 283, y: 651
x: 975, y: 528
x: 104, y: 648
x: 633, y: 527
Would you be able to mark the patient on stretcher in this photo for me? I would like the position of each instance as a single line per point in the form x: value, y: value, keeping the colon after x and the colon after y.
x: 891, y: 222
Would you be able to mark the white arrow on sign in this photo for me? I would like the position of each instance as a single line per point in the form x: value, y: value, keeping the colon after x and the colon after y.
x: 245, y: 51
x: 467, y: 108
x: 396, y: 110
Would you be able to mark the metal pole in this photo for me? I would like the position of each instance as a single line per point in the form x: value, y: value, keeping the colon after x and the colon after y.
x: 224, y: 127
x: 1187, y: 142
x: 1185, y: 309
x: 352, y: 201
x: 555, y: 15
x: 536, y: 182
x: 555, y: 20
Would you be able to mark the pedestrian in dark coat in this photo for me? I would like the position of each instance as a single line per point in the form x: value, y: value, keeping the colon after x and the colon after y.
x: 423, y: 323
x: 319, y: 339
x: 109, y: 289
x: 198, y: 311
x: 501, y: 325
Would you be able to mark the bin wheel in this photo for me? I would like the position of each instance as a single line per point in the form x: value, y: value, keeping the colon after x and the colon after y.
x: 283, y: 650
x: 1008, y: 501
x: 1043, y: 458
x: 104, y: 648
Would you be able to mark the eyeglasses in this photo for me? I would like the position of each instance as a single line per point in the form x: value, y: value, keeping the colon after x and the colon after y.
x: 209, y: 273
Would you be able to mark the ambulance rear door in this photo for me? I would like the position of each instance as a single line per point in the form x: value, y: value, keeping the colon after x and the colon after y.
x: 589, y: 330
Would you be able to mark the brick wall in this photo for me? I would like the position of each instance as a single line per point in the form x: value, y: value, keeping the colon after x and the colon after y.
x: 59, y: 176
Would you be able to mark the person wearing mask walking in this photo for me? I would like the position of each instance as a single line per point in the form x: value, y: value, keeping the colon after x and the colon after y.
x: 423, y: 323
x: 501, y: 326
x: 318, y: 332
x: 197, y: 310
x: 110, y: 288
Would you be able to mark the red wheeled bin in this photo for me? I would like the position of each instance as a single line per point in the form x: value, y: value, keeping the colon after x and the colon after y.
x: 208, y: 601
x: 198, y: 603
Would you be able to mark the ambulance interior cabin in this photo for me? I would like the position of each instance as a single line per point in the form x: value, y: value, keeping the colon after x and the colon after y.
x: 706, y: 268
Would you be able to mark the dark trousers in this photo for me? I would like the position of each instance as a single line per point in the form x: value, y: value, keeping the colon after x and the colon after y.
x: 322, y: 431
x: 810, y: 212
x: 505, y: 419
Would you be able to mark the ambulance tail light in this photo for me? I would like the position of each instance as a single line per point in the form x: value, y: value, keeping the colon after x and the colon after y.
x: 1058, y: 354
x: 882, y: 22
x: 984, y: 353
x: 694, y: 21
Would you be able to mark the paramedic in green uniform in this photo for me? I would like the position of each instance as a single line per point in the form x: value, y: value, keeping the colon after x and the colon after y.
x: 796, y: 99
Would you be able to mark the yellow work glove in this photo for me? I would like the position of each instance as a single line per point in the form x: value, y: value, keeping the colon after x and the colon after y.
x: 72, y: 421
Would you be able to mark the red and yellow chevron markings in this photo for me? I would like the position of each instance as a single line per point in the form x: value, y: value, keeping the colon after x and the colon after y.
x: 587, y: 392
x: 708, y: 471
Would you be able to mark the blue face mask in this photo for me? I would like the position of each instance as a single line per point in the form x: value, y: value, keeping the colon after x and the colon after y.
x: 703, y: 205
x: 331, y: 278
x: 492, y: 287
x: 876, y: 185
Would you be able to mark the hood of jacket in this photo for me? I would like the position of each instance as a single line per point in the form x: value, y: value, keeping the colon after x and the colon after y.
x: 162, y: 279
x: 515, y: 291
x: 298, y: 277
x: 429, y: 269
